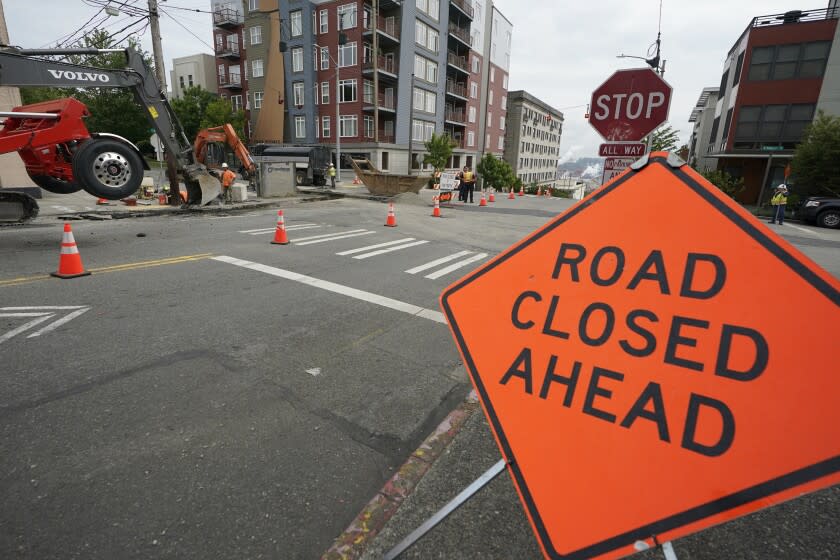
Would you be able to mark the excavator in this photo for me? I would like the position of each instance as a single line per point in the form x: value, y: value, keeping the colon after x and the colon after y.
x: 58, y: 151
x: 209, y: 149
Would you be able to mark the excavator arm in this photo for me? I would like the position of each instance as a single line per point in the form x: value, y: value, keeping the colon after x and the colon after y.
x: 224, y: 134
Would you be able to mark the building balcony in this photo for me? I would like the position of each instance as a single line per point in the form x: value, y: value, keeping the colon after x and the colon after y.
x: 454, y: 115
x: 385, y: 65
x: 227, y: 18
x: 386, y: 103
x: 387, y: 138
x: 457, y: 89
x: 460, y: 33
x: 463, y: 6
x: 796, y: 16
x: 387, y: 28
x: 457, y: 61
x: 231, y: 81
x: 231, y: 50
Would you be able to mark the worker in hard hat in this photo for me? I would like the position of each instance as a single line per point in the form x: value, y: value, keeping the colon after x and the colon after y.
x: 331, y: 172
x: 228, y: 177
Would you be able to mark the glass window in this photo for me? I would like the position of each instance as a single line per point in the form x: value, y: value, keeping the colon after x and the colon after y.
x: 296, y: 18
x: 349, y: 126
x: 470, y: 138
x: 760, y: 62
x: 300, y: 126
x: 325, y: 93
x: 501, y: 142
x: 236, y: 102
x: 505, y: 81
x: 420, y: 33
x: 323, y: 22
x: 472, y: 114
x: 317, y: 98
x: 347, y: 55
x: 297, y: 59
x: 490, y: 99
x: 502, y: 122
x: 799, y: 117
x: 432, y: 40
x: 253, y: 5
x: 257, y: 68
x: 325, y: 127
x: 786, y: 60
x: 368, y: 92
x: 297, y: 90
x: 771, y: 123
x: 258, y: 97
x: 347, y: 17
x: 473, y: 90
x: 255, y: 35
x: 747, y: 122
x: 492, y: 74
x: 317, y: 128
x: 325, y: 58
x: 475, y: 65
x: 504, y: 102
x: 347, y: 91
x: 814, y: 56
x: 737, y: 77
x: 368, y: 126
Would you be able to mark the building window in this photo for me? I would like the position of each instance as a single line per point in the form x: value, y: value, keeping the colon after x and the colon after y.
x: 348, y: 126
x: 323, y: 22
x: 425, y: 36
x: 489, y: 119
x: 501, y: 142
x: 425, y: 100
x: 347, y: 91
x: 470, y: 139
x: 367, y: 93
x: 726, y: 123
x: 492, y: 74
x: 814, y: 56
x: 236, y: 102
x: 422, y: 130
x: 297, y: 91
x: 300, y: 126
x: 296, y: 18
x: 325, y: 127
x: 425, y: 69
x: 505, y: 80
x: 368, y: 126
x: 347, y: 55
x: 784, y: 62
x: 257, y: 68
x: 325, y: 58
x: 473, y: 90
x: 429, y: 7
x: 222, y: 73
x: 297, y: 59
x: 255, y: 35
x: 772, y: 123
x: 325, y: 92
x: 490, y: 99
x: 475, y: 65
x: 190, y: 80
x: 317, y: 128
x: 502, y: 122
x: 181, y: 81
x: 253, y: 5
x: 347, y: 16
x: 258, y: 97
x: 471, y: 116
x: 317, y: 98
x: 738, y: 66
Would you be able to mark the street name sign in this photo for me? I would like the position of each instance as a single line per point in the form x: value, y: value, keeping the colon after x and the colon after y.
x: 629, y: 105
x: 615, y: 166
x: 622, y: 149
x: 653, y: 361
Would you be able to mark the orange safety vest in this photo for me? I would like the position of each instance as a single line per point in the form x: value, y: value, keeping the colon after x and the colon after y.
x: 227, y: 178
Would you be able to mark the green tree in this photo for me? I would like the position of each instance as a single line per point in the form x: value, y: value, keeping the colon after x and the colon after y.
x: 192, y: 108
x: 665, y: 139
x: 725, y: 182
x: 496, y: 173
x: 112, y: 109
x: 816, y: 162
x: 439, y: 147
x: 219, y: 112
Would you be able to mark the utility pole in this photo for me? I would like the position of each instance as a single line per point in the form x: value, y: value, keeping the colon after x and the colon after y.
x: 160, y: 70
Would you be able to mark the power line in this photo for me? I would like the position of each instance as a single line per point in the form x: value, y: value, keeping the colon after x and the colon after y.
x: 170, y: 16
x: 65, y: 38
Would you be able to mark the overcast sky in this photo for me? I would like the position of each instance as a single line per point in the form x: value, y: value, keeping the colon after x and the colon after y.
x: 562, y: 49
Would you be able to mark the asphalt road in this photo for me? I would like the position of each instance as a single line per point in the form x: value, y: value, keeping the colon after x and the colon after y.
x: 216, y: 396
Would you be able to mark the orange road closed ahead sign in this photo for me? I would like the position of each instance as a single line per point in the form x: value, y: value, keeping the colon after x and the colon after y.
x: 652, y: 362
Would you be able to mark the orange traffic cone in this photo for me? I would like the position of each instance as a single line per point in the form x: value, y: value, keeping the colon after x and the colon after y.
x: 522, y: 191
x: 392, y: 218
x: 280, y: 237
x: 69, y: 261
x: 510, y: 194
x: 492, y: 196
x: 436, y: 211
x: 356, y: 180
x: 103, y: 201
x: 483, y: 200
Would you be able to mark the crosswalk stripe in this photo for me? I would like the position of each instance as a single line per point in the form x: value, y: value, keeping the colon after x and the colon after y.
x: 330, y: 234
x: 333, y: 238
x: 446, y: 270
x: 397, y: 248
x: 435, y: 263
x: 290, y: 226
x: 377, y: 246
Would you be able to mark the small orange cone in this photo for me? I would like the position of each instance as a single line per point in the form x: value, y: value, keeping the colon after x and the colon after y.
x: 356, y: 180
x: 492, y: 196
x: 483, y: 200
x: 392, y: 218
x: 436, y: 211
x: 69, y: 261
x: 103, y: 201
x: 522, y: 190
x: 280, y: 237
x: 510, y: 194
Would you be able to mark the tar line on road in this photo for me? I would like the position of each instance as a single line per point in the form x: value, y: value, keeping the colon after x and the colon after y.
x: 112, y: 268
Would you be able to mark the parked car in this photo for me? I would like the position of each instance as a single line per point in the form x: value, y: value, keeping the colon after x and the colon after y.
x: 821, y: 210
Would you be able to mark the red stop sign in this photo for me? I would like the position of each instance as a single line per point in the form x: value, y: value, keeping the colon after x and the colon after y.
x: 630, y: 105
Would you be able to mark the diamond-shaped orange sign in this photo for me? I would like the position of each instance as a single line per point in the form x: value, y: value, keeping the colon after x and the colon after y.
x: 652, y: 362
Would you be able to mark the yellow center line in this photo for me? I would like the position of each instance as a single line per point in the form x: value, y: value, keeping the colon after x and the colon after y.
x: 113, y: 268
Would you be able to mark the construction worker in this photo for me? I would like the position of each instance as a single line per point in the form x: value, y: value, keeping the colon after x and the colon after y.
x: 227, y: 180
x: 778, y: 203
x: 331, y: 172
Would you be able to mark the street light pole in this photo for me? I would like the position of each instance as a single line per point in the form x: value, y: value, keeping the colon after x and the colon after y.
x: 338, y: 114
x: 411, y: 125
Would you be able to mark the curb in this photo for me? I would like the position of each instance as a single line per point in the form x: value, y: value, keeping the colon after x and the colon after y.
x: 350, y: 544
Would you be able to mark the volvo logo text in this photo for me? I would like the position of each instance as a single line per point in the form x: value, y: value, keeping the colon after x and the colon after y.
x: 80, y: 76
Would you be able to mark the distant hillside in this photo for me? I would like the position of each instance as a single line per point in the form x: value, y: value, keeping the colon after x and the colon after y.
x: 586, y: 166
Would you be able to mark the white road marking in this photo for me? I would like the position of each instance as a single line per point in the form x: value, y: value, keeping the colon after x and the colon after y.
x: 333, y: 238
x: 446, y: 270
x: 269, y: 229
x: 377, y: 246
x: 329, y: 234
x: 435, y: 263
x: 376, y: 299
x: 43, y: 313
x: 390, y: 249
x: 288, y: 228
x: 805, y: 230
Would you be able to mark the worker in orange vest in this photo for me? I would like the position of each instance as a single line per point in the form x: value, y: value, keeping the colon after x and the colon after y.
x: 227, y: 180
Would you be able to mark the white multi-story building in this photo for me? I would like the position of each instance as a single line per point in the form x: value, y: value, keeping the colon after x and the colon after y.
x: 191, y: 71
x: 532, y: 138
x: 703, y: 116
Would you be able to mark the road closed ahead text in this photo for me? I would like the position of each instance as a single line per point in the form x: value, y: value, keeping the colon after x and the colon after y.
x: 658, y: 341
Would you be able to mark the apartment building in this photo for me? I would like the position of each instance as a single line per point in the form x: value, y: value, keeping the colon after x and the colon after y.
x: 532, y: 139
x: 368, y: 76
x: 702, y: 117
x: 781, y: 71
x: 198, y: 70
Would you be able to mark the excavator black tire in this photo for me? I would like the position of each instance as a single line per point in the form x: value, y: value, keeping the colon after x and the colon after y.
x: 54, y: 185
x: 108, y: 168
